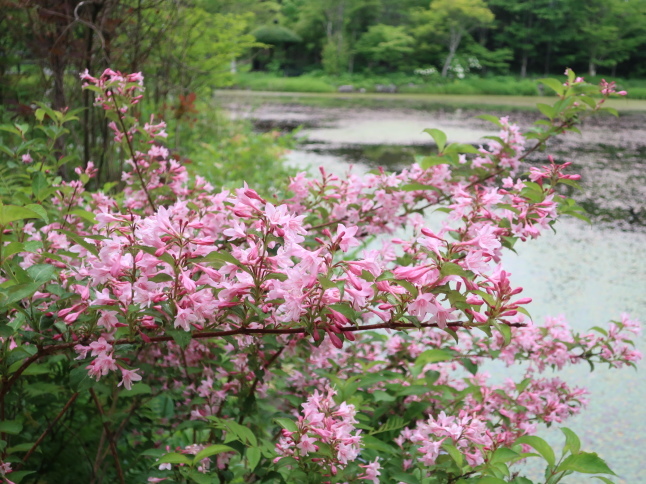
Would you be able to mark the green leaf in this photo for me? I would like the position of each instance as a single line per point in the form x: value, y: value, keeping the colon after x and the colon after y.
x: 41, y: 273
x: 210, y: 451
x: 39, y: 186
x: 163, y: 406
x: 180, y: 337
x: 491, y: 118
x: 344, y: 309
x: 173, y: 458
x: 439, y: 137
x: 425, y: 163
x: 287, y: 424
x: 393, y: 423
x: 554, y: 84
x: 12, y: 427
x: 18, y: 476
x: 198, y: 478
x: 222, y: 257
x: 11, y: 249
x: 20, y: 447
x: 413, y: 187
x: 603, y: 479
x: 137, y: 389
x: 452, y: 269
x: 505, y: 331
x: 12, y: 213
x: 455, y: 454
x: 433, y: 356
x: 370, y: 442
x: 586, y: 463
x: 490, y: 480
x: 504, y: 455
x: 236, y: 431
x: 18, y: 292
x: 540, y: 445
x: 572, y: 442
x: 547, y: 110
x: 612, y: 111
x: 84, y: 214
x: 80, y: 380
x: 253, y: 456
x: 406, y: 477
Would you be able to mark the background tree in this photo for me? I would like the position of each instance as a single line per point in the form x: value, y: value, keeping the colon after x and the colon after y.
x: 449, y: 21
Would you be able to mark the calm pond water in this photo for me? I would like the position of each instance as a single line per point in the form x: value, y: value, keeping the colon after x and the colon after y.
x: 591, y: 274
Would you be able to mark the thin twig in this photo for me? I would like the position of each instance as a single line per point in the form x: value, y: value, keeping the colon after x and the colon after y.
x: 257, y: 379
x: 48, y: 429
x: 132, y: 150
x: 113, y: 447
x: 234, y: 332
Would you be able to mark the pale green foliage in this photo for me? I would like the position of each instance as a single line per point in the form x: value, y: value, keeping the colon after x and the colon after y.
x: 202, y: 48
x: 610, y: 30
x: 450, y: 20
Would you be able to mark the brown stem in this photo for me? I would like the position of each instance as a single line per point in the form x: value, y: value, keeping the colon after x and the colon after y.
x: 48, y: 429
x: 234, y: 332
x: 132, y: 151
x: 257, y: 379
x: 113, y: 447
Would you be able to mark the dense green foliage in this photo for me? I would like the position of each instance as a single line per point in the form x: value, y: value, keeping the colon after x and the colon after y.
x: 455, y: 37
x: 186, y: 49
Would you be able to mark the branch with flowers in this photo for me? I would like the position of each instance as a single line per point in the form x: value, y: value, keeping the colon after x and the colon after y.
x: 211, y: 318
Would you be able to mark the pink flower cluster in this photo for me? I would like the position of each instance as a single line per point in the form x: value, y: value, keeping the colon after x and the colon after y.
x: 469, y: 434
x: 177, y: 259
x: 323, y: 422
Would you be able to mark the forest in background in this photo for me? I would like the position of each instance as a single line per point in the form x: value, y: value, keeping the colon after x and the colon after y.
x: 186, y: 49
x: 183, y: 46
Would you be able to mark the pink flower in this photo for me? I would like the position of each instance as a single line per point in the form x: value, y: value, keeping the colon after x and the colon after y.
x: 128, y: 376
x: 371, y: 471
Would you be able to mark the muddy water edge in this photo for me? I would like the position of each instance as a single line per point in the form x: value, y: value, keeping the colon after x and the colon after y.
x: 589, y: 273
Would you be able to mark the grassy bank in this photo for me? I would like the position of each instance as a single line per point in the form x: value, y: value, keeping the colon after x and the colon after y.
x: 426, y: 102
x: 405, y: 84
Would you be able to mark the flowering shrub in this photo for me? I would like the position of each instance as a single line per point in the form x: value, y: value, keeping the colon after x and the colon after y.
x: 229, y: 338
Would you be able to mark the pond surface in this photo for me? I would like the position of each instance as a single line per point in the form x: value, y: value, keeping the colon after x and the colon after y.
x: 589, y: 273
